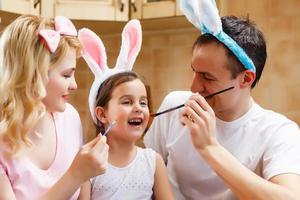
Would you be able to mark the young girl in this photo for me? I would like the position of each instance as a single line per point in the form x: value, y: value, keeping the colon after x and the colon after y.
x: 40, y: 134
x: 118, y: 97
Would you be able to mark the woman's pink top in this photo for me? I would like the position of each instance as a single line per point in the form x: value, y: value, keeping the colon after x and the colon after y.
x: 30, y: 182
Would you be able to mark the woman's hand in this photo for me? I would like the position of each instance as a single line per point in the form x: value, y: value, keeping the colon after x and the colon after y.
x: 91, y: 160
x: 200, y: 119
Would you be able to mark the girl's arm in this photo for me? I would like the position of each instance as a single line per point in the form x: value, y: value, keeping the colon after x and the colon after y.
x: 6, y: 189
x: 162, y: 188
x: 85, y: 191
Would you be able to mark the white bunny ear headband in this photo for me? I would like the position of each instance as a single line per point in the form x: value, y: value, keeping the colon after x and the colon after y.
x: 204, y: 15
x: 95, y: 56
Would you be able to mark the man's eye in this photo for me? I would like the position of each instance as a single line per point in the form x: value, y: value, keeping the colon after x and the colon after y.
x: 67, y: 76
x: 208, y: 78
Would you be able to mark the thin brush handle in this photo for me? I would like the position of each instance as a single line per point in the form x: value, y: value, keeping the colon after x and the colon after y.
x: 108, y: 128
x: 180, y: 106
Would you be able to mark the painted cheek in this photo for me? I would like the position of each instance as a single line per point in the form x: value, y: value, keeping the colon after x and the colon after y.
x: 146, y: 111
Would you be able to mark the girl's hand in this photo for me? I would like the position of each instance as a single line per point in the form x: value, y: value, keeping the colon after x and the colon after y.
x: 91, y: 160
x: 200, y: 119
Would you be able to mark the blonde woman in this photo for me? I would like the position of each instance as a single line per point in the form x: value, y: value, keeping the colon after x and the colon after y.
x: 41, y: 156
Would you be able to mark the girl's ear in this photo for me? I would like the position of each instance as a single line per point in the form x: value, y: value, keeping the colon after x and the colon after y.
x: 131, y: 45
x: 100, y: 115
x: 247, y: 78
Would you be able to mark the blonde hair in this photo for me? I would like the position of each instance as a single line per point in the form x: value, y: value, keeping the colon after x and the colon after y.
x: 24, y: 64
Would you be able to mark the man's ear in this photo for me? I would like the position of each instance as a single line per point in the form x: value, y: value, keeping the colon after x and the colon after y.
x: 100, y: 114
x: 247, y: 78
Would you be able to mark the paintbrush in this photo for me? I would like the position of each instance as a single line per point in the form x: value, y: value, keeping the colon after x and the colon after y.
x: 108, y: 128
x: 180, y: 106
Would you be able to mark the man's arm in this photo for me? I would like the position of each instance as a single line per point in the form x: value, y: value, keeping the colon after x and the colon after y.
x: 200, y: 119
x: 245, y: 183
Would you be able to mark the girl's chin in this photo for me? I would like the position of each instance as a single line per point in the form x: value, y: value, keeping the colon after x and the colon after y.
x: 137, y: 130
x: 135, y: 134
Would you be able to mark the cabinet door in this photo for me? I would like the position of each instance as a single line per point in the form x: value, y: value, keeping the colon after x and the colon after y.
x: 92, y: 9
x: 149, y: 9
x: 20, y: 6
x: 178, y: 11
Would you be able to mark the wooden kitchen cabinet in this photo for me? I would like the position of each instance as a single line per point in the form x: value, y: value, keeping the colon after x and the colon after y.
x: 20, y: 6
x: 113, y: 10
x: 151, y: 9
x: 116, y: 10
x: 99, y: 10
x: 178, y: 11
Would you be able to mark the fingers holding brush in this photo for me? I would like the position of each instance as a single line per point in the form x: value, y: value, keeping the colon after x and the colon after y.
x: 199, y: 118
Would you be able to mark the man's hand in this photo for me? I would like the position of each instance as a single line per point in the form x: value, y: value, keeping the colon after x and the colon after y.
x: 200, y: 119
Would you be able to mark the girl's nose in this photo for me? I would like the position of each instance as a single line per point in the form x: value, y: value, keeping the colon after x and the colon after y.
x: 137, y: 108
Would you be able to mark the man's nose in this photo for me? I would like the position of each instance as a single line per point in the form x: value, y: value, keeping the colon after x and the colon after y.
x: 196, y: 85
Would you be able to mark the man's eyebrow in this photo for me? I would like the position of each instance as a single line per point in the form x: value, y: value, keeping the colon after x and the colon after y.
x: 203, y: 73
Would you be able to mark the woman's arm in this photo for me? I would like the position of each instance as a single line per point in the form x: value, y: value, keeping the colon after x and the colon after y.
x: 85, y: 191
x: 63, y: 189
x: 6, y: 189
x: 162, y: 188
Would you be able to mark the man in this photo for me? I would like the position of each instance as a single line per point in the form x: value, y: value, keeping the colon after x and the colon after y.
x: 227, y: 146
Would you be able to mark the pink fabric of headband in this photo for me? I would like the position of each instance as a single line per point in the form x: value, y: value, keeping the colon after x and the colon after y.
x: 63, y: 26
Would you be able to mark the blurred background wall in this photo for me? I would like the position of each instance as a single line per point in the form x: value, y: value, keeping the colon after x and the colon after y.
x: 164, y: 60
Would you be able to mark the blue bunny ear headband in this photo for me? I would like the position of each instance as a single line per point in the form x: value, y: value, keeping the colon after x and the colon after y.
x: 204, y: 15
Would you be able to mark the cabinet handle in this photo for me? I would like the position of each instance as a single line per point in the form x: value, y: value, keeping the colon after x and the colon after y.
x: 36, y: 3
x: 132, y: 3
x: 122, y: 4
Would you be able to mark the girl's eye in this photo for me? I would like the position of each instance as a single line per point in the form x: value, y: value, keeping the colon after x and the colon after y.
x: 126, y: 102
x: 144, y: 103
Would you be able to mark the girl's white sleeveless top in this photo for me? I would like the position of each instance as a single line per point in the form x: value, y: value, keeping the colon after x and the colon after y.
x: 133, y: 182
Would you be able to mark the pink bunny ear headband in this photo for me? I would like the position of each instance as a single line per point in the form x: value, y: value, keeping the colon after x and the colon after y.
x: 95, y: 56
x: 63, y: 26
